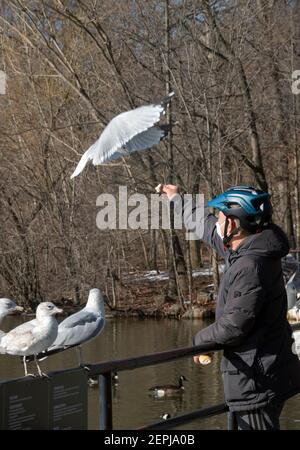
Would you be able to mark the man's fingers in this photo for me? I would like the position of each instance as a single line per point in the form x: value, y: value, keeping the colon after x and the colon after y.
x: 169, y: 189
x: 203, y: 359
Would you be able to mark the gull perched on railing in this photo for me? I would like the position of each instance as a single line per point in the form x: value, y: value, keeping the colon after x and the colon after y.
x: 126, y: 133
x: 80, y: 327
x: 7, y: 307
x: 33, y: 337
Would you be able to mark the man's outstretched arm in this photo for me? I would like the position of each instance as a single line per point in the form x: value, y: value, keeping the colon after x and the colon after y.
x: 190, y: 212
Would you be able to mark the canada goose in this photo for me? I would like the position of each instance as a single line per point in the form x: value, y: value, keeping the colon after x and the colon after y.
x: 167, y: 389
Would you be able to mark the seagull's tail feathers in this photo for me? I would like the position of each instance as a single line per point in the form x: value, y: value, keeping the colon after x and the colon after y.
x: 86, y: 157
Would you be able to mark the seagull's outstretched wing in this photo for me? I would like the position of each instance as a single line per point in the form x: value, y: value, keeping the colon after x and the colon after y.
x: 146, y: 139
x: 132, y: 131
x: 78, y: 328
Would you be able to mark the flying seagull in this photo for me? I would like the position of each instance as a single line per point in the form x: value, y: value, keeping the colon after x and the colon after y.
x: 82, y: 326
x: 126, y: 133
x: 34, y: 336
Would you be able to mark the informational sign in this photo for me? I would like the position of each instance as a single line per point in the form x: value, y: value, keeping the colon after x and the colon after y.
x: 24, y: 404
x: 68, y: 401
x: 58, y: 402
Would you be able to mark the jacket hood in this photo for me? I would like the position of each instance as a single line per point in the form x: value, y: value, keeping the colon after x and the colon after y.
x: 272, y: 242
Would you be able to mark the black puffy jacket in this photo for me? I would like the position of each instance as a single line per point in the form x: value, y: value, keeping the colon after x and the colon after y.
x: 258, y: 365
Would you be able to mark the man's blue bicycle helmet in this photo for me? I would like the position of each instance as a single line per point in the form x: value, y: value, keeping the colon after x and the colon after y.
x: 251, y: 206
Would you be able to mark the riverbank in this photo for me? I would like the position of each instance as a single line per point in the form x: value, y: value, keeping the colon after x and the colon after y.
x: 143, y: 294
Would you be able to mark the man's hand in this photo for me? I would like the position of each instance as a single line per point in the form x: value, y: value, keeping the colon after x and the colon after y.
x: 169, y: 189
x: 203, y: 359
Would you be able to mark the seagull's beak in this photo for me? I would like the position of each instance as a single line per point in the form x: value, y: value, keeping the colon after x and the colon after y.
x: 19, y: 308
x: 58, y: 310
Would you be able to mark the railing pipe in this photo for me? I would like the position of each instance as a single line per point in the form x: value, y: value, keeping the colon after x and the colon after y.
x: 147, y: 360
x: 105, y: 402
x: 187, y: 417
x: 231, y: 421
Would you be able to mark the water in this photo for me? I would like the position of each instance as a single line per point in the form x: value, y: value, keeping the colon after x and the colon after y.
x: 132, y: 406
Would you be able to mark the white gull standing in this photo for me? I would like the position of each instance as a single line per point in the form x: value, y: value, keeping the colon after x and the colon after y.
x: 33, y: 337
x: 82, y: 326
x: 126, y: 133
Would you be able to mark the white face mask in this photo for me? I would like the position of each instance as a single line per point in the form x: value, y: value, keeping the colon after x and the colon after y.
x: 218, y: 226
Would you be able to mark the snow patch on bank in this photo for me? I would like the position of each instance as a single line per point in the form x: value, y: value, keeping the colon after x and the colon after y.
x: 153, y: 276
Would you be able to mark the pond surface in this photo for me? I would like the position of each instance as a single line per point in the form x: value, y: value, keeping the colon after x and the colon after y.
x: 132, y: 405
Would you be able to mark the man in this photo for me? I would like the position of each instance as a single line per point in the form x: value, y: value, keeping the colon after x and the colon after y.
x: 259, y: 369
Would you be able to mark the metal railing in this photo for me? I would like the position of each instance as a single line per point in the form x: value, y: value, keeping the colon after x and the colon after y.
x: 180, y: 419
x: 105, y: 369
x: 104, y: 372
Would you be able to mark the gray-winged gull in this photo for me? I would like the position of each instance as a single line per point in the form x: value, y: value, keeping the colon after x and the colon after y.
x: 126, y: 133
x: 33, y: 337
x: 82, y: 326
x: 7, y: 307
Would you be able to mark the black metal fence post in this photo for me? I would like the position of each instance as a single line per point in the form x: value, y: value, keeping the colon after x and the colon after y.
x: 231, y: 421
x: 105, y: 402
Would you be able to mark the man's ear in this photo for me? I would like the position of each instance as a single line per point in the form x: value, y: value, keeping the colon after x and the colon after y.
x: 233, y: 224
